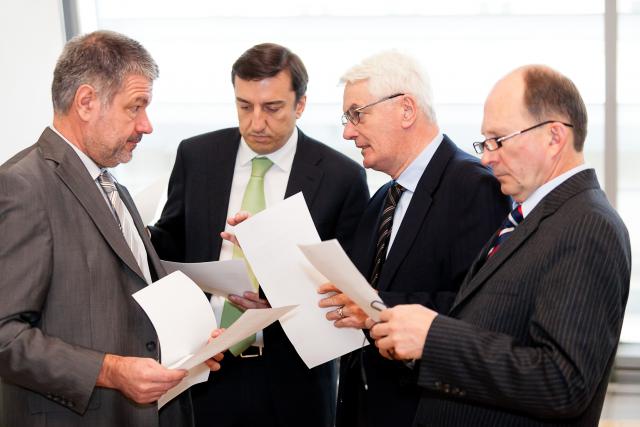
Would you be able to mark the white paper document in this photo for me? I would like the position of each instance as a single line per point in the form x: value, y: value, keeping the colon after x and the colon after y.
x: 248, y: 324
x: 216, y: 277
x: 270, y: 242
x: 148, y: 199
x: 331, y: 260
x: 183, y: 320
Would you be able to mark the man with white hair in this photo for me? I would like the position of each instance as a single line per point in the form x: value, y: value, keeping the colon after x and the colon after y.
x: 420, y: 231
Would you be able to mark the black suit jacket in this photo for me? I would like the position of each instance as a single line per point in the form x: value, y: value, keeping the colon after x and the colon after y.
x: 532, y: 335
x: 455, y: 209
x: 189, y: 229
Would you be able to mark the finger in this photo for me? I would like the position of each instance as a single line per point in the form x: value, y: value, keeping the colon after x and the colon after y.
x: 255, y: 297
x: 369, y: 323
x: 217, y: 332
x: 335, y: 300
x: 212, y: 365
x: 219, y: 357
x: 328, y: 287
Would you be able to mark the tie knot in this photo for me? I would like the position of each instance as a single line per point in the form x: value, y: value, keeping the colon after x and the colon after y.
x: 395, y: 191
x: 515, y: 216
x: 260, y: 166
x: 106, y: 182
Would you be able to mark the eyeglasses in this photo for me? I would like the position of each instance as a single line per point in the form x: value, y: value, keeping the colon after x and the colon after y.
x: 492, y: 144
x: 353, y: 114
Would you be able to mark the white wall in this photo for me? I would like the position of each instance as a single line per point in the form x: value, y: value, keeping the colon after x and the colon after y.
x: 31, y: 38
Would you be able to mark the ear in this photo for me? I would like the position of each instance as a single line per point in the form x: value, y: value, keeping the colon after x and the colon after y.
x: 86, y: 102
x: 409, y: 110
x: 302, y: 102
x: 559, y: 137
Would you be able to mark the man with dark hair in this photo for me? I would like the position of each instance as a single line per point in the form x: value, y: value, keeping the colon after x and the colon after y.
x: 532, y: 335
x: 253, y: 166
x: 75, y: 348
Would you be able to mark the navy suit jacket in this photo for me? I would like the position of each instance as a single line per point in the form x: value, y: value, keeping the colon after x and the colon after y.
x: 336, y: 192
x: 532, y: 335
x: 455, y: 209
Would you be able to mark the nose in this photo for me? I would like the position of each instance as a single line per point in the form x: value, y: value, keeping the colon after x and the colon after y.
x: 258, y: 120
x: 488, y: 158
x: 143, y: 124
x: 349, y: 132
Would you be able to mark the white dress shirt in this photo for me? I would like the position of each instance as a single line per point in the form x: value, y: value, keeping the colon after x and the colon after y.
x: 535, y: 197
x: 275, y: 186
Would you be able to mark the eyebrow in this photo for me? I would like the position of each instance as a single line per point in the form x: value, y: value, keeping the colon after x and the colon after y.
x: 276, y: 102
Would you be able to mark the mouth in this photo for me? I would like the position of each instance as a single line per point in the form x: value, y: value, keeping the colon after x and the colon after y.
x: 135, y: 139
x: 261, y: 138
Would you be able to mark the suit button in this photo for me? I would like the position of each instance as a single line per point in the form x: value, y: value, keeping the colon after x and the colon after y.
x: 462, y: 393
x: 438, y: 385
x: 151, y: 346
x: 446, y: 388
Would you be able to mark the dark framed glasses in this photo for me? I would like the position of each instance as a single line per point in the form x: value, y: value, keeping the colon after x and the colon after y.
x: 353, y: 114
x: 492, y: 144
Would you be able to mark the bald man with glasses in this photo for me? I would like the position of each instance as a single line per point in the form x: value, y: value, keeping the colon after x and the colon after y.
x: 532, y: 335
x: 420, y: 231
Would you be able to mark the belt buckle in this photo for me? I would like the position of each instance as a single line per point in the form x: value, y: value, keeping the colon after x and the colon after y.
x: 249, y: 352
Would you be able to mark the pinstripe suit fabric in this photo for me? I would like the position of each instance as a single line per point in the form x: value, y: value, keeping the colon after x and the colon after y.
x: 531, y: 337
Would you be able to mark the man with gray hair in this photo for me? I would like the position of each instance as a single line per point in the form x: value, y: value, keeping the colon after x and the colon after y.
x: 75, y: 348
x: 420, y: 232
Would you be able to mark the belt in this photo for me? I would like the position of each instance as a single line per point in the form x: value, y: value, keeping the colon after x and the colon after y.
x: 252, y: 351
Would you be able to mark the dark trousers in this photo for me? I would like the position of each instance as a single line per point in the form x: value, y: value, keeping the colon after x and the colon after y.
x: 273, y: 390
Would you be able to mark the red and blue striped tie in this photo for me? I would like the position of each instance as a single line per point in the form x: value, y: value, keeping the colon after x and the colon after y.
x: 508, y: 225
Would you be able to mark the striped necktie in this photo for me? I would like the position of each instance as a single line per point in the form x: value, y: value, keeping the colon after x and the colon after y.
x: 253, y: 201
x: 508, y: 226
x: 125, y: 222
x: 384, y: 230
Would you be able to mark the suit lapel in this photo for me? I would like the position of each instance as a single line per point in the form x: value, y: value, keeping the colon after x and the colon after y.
x: 75, y: 176
x: 222, y: 158
x: 417, y: 212
x: 482, y: 270
x: 367, y: 234
x: 305, y: 175
x: 157, y: 270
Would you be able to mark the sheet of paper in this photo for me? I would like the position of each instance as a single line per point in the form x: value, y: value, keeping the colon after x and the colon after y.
x: 248, y: 324
x: 182, y: 317
x: 331, y: 260
x: 216, y: 277
x: 148, y: 199
x: 270, y: 242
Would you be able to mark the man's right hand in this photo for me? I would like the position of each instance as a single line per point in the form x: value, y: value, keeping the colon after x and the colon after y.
x: 142, y: 380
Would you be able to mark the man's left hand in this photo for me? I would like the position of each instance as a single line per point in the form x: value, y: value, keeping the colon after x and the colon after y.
x: 214, y: 362
x: 347, y: 313
x: 402, y: 331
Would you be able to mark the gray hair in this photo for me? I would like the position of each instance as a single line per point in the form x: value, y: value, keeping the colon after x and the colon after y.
x: 102, y: 59
x: 393, y: 72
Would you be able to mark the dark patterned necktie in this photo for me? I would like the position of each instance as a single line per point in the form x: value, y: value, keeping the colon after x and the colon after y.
x: 508, y: 225
x: 384, y: 230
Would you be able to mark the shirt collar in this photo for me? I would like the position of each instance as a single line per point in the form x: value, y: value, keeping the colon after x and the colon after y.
x: 539, y: 194
x: 410, y: 177
x: 282, y: 157
x: 89, y: 164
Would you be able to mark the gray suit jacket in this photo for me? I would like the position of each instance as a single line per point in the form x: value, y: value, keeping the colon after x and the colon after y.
x: 66, y: 284
x: 532, y: 334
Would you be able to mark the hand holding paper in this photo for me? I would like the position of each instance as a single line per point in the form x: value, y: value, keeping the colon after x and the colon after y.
x: 330, y: 259
x: 347, y: 314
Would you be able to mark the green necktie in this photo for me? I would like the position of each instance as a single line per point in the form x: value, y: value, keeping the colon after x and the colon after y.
x: 253, y: 202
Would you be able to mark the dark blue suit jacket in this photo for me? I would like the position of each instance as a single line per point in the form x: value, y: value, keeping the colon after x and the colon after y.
x: 455, y: 209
